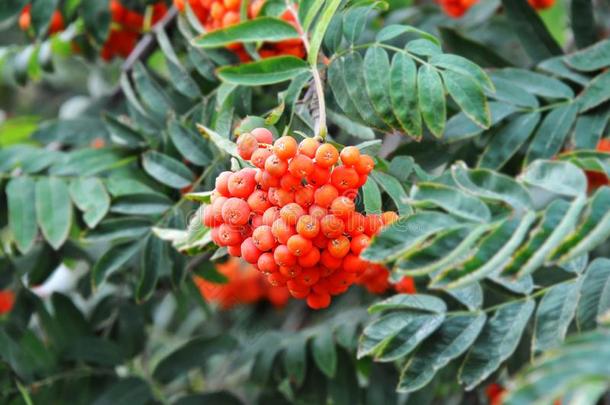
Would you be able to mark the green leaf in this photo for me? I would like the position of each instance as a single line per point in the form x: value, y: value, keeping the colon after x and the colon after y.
x: 96, y: 16
x: 403, y: 94
x: 450, y: 341
x: 338, y: 85
x: 397, y: 193
x: 596, y: 92
x: 263, y: 72
x: 481, y: 54
x: 41, y: 13
x: 141, y: 204
x: 394, y: 30
x: 195, y: 353
x: 396, y: 334
x: 552, y: 133
x: 181, y: 79
x: 151, y: 93
x: 371, y: 197
x: 491, y: 186
x: 220, y: 141
x: 508, y: 140
x: 595, y: 298
x: 122, y: 133
x: 450, y: 199
x: 497, y: 341
x: 535, y: 83
x: 126, y: 391
x: 414, y: 302
x: 95, y: 350
x: 405, y: 234
x: 90, y: 196
x: 445, y: 249
x: 167, y: 170
x: 85, y: 162
x: 589, y: 129
x: 21, y: 196
x: 431, y: 95
x: 583, y: 22
x: 423, y: 47
x: 507, y: 92
x: 354, y: 22
x: 326, y: 15
x: 535, y: 38
x: 492, y: 254
x: 377, y: 79
x: 562, y: 178
x: 554, y: 315
x: 155, y: 261
x: 53, y: 210
x: 113, y: 260
x: 189, y: 143
x: 464, y: 67
x: 559, y: 220
x: 261, y: 29
x: 119, y: 186
x: 295, y: 359
x: 119, y: 229
x: 592, y: 58
x: 324, y: 352
x: 460, y: 127
x: 556, y: 67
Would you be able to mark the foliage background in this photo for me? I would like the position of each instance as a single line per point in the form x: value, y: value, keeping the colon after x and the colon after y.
x: 130, y: 326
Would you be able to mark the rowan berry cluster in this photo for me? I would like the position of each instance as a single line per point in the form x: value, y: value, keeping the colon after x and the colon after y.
x: 293, y: 214
x: 244, y: 285
x: 217, y: 14
x: 126, y: 28
x: 457, y: 8
x: 55, y: 25
x: 7, y: 300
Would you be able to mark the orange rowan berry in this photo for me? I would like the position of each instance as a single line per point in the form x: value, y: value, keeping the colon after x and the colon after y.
x: 282, y: 231
x: 330, y: 261
x: 276, y: 166
x: 354, y: 225
x: 326, y: 155
x: 359, y: 243
x: 364, y: 165
x: 318, y: 176
x: 234, y: 250
x: 263, y: 238
x: 263, y: 135
x: 308, y: 146
x: 331, y: 226
x: 304, y: 196
x: 372, y: 224
x: 342, y: 207
x: 353, y: 264
x: 339, y: 247
x: 285, y: 147
x: 276, y: 279
x: 246, y: 145
x: 249, y: 252
x: 318, y: 301
x: 350, y: 155
x: 344, y: 178
x: 300, y: 166
x: 230, y: 18
x: 270, y: 215
x: 298, y: 245
x: 317, y: 212
x: 228, y: 235
x: 222, y: 183
x: 290, y: 183
x: 389, y: 217
x: 266, y: 263
x: 291, y: 213
x: 283, y: 257
x: 218, y: 205
x: 308, y: 226
x: 258, y: 202
x: 242, y: 184
x: 325, y: 195
x: 235, y: 211
x: 217, y: 10
x: 310, y: 258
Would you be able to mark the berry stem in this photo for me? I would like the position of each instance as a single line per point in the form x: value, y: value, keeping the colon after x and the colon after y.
x: 321, y: 129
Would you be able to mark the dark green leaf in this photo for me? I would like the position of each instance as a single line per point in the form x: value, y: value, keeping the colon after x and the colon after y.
x: 324, y: 352
x: 461, y: 65
x: 167, y: 170
x: 592, y: 58
x: 397, y: 193
x: 113, y: 260
x: 155, y: 261
x: 96, y: 16
x: 131, y: 390
x: 267, y: 71
x: 452, y: 200
x: 266, y: 29
x: 596, y: 92
x: 403, y: 94
x: 535, y: 83
x: 371, y: 197
x: 583, y: 22
x: 468, y: 96
x: 20, y: 193
x: 431, y: 95
x: 53, y: 210
x: 413, y: 302
x: 141, y: 204
x: 90, y: 196
x: 595, y: 294
x: 189, y: 143
x: 377, y: 78
x: 552, y: 133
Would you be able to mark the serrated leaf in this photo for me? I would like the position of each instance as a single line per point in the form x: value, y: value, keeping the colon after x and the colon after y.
x: 595, y: 93
x: 595, y: 298
x: 536, y: 83
x: 497, y: 341
x: 377, y: 79
x: 403, y: 94
x: 450, y: 341
x: 396, y: 334
x: 493, y: 252
x: 460, y: 65
x: 592, y: 58
x: 405, y: 234
x: 90, y: 196
x: 397, y: 193
x: 267, y: 29
x: 413, y: 302
x: 559, y: 220
x: 509, y: 140
x: 167, y: 170
x: 189, y: 143
x: 324, y: 352
x: 21, y: 197
x: 53, y: 210
x: 113, y: 260
x: 431, y: 95
x: 263, y: 72
x: 554, y: 315
x: 452, y: 200
x: 491, y: 186
x: 529, y: 27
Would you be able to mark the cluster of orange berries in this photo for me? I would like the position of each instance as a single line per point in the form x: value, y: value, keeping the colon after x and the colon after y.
x: 376, y: 279
x: 7, y: 300
x: 244, y: 285
x: 217, y: 14
x: 457, y: 8
x: 126, y: 29
x: 55, y: 25
x: 293, y: 214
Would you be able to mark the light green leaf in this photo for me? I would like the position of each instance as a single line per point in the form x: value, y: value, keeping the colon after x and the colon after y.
x: 394, y: 30
x: 557, y: 177
x: 53, y: 210
x: 319, y: 30
x: 263, y: 72
x: 592, y: 58
x: 595, y: 298
x: 468, y: 96
x: 377, y: 79
x: 267, y: 29
x: 90, y: 196
x: 535, y: 83
x: 452, y: 200
x: 596, y: 92
x: 414, y: 302
x: 392, y: 186
x: 460, y: 127
x: 372, y: 197
x: 462, y: 66
x: 221, y: 142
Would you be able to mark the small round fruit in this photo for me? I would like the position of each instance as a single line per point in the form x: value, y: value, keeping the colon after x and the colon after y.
x: 249, y: 252
x: 263, y: 135
x: 350, y: 155
x: 285, y: 147
x: 235, y: 211
x: 326, y: 155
